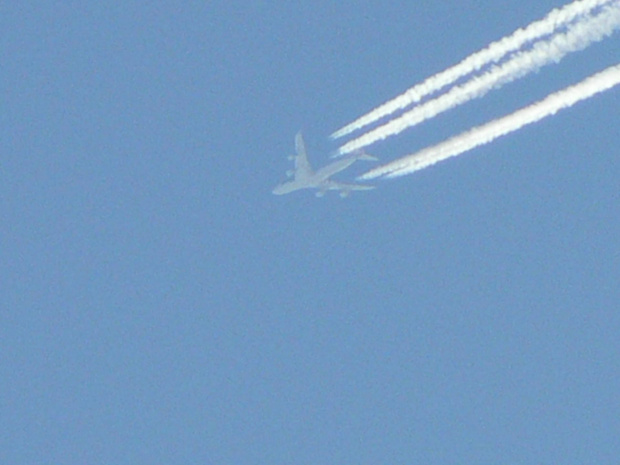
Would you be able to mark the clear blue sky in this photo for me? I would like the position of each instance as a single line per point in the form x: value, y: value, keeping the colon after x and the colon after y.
x: 158, y: 305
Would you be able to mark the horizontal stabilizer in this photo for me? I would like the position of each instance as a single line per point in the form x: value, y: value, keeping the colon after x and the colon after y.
x: 365, y: 156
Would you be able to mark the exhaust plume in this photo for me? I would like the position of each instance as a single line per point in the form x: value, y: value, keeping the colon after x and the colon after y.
x: 493, y: 53
x: 481, y: 135
x: 578, y: 37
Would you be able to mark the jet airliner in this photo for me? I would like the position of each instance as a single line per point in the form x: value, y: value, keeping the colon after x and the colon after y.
x: 304, y: 177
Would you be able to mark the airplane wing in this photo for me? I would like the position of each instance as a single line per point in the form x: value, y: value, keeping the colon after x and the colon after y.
x: 344, y: 188
x: 302, y: 166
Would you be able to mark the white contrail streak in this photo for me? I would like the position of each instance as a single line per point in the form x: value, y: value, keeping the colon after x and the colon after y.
x: 577, y: 37
x: 481, y: 135
x: 493, y: 53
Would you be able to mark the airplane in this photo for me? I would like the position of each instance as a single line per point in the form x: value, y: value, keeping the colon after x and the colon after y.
x: 304, y: 177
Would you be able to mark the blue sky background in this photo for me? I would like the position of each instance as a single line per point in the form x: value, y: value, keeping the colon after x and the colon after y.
x: 159, y: 305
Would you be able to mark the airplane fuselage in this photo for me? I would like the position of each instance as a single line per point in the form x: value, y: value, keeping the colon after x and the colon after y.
x: 317, y: 180
x: 306, y: 178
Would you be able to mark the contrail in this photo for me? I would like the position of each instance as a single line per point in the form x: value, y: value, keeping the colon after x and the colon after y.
x: 577, y: 37
x: 493, y: 53
x: 484, y: 134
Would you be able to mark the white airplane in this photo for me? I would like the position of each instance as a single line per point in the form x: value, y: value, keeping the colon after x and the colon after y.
x: 304, y: 177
